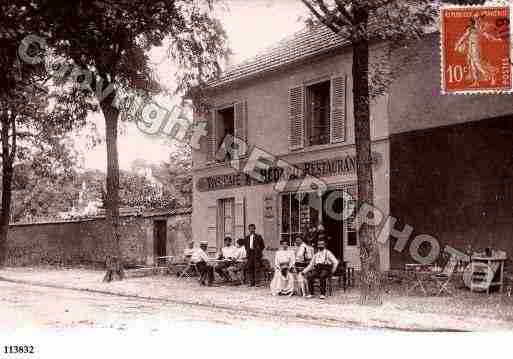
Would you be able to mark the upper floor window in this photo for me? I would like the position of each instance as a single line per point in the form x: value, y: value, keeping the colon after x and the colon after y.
x: 317, y: 113
x: 224, y: 123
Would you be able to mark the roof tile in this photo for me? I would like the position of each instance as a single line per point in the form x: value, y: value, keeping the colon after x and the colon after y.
x: 302, y: 45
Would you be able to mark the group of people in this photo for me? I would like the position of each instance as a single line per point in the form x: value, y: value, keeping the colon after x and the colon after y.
x: 307, y: 263
x: 311, y: 260
x: 232, y: 261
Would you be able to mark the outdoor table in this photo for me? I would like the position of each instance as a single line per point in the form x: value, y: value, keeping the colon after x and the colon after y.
x: 215, y: 260
x: 496, y: 264
x: 165, y: 258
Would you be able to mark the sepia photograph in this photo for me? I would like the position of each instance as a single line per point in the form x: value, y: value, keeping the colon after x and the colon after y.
x: 250, y: 178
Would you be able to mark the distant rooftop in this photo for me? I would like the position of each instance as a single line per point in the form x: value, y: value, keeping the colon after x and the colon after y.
x: 300, y: 46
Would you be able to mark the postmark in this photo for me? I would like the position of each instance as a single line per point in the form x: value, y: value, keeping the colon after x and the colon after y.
x: 475, y: 49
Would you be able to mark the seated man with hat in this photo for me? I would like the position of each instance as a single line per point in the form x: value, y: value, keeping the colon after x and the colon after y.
x: 200, y: 258
x: 322, y: 266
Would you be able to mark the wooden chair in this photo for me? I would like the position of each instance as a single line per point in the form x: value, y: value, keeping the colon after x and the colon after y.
x: 345, y: 275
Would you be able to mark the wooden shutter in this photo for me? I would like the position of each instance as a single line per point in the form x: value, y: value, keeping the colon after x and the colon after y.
x: 338, y: 109
x: 296, y: 118
x: 211, y: 135
x: 211, y: 222
x: 240, y: 217
x: 241, y: 123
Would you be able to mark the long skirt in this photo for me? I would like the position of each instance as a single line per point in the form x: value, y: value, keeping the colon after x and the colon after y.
x: 282, y: 284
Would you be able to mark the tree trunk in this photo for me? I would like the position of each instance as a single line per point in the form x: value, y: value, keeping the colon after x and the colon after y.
x: 7, y: 174
x: 370, y: 291
x: 114, y: 260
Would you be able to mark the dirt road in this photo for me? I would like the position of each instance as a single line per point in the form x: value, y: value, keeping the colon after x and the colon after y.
x: 29, y: 306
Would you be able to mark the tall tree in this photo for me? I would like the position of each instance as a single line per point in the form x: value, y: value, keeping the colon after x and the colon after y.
x: 111, y: 38
x: 363, y: 22
x: 27, y: 117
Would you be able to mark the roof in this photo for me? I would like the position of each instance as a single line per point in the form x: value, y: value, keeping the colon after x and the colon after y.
x: 304, y: 44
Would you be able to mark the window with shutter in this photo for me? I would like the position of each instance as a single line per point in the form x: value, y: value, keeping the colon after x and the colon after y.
x: 338, y: 109
x: 240, y: 217
x: 296, y: 118
x: 241, y: 123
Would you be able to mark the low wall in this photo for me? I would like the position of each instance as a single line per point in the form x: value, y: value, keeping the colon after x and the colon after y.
x: 83, y: 241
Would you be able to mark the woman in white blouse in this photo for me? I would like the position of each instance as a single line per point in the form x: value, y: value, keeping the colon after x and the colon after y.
x: 283, y: 280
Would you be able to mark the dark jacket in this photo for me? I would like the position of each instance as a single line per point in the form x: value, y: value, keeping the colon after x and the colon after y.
x: 258, y: 245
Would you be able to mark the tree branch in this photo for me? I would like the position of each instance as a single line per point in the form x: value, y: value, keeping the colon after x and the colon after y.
x: 343, y: 11
x: 320, y: 17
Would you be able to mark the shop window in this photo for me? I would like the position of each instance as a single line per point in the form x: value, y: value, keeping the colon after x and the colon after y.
x: 317, y: 119
x: 298, y: 214
x: 226, y: 219
x: 290, y: 224
x: 225, y: 121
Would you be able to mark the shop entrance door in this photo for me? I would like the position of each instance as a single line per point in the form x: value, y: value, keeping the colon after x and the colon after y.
x: 332, y: 210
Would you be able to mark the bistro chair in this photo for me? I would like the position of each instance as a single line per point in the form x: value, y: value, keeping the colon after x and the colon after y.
x: 344, y: 274
x: 190, y: 271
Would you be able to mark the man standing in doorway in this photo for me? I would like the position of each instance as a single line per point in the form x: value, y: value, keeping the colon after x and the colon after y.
x: 254, y: 244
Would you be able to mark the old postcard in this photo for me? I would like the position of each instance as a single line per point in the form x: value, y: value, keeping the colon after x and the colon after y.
x: 255, y: 178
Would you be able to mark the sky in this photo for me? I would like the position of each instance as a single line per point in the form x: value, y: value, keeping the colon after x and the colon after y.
x: 251, y: 25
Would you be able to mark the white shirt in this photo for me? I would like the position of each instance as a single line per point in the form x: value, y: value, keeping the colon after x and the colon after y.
x: 282, y: 257
x: 322, y: 257
x: 228, y: 252
x: 239, y: 253
x: 199, y: 255
x: 304, y: 253
x: 251, y: 241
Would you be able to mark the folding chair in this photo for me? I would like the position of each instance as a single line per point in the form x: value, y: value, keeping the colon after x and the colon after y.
x: 442, y: 280
x: 189, y: 269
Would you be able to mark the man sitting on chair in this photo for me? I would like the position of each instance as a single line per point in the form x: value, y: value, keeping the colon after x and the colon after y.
x: 199, y: 257
x: 238, y: 265
x: 322, y: 266
x: 304, y: 253
x: 226, y: 253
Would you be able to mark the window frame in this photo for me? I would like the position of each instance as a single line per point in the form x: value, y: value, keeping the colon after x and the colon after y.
x: 307, y: 114
x: 219, y: 139
x: 221, y: 231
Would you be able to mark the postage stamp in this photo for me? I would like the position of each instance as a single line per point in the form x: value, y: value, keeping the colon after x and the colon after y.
x: 476, y: 49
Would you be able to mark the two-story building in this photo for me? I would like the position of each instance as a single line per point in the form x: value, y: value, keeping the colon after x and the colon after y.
x: 293, y: 103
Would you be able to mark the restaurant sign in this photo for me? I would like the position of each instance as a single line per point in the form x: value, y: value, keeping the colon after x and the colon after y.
x: 321, y: 168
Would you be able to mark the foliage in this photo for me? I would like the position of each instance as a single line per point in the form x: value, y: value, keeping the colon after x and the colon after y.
x: 111, y: 38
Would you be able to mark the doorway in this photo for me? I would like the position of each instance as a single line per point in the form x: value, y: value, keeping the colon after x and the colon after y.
x: 333, y: 224
x: 160, y: 239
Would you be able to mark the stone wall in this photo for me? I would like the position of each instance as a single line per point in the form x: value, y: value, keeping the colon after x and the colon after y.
x: 83, y: 241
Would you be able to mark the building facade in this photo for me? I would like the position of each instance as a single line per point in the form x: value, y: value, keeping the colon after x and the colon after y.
x: 292, y: 105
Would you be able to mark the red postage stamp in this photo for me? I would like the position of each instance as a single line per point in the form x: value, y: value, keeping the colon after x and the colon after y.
x: 476, y: 47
